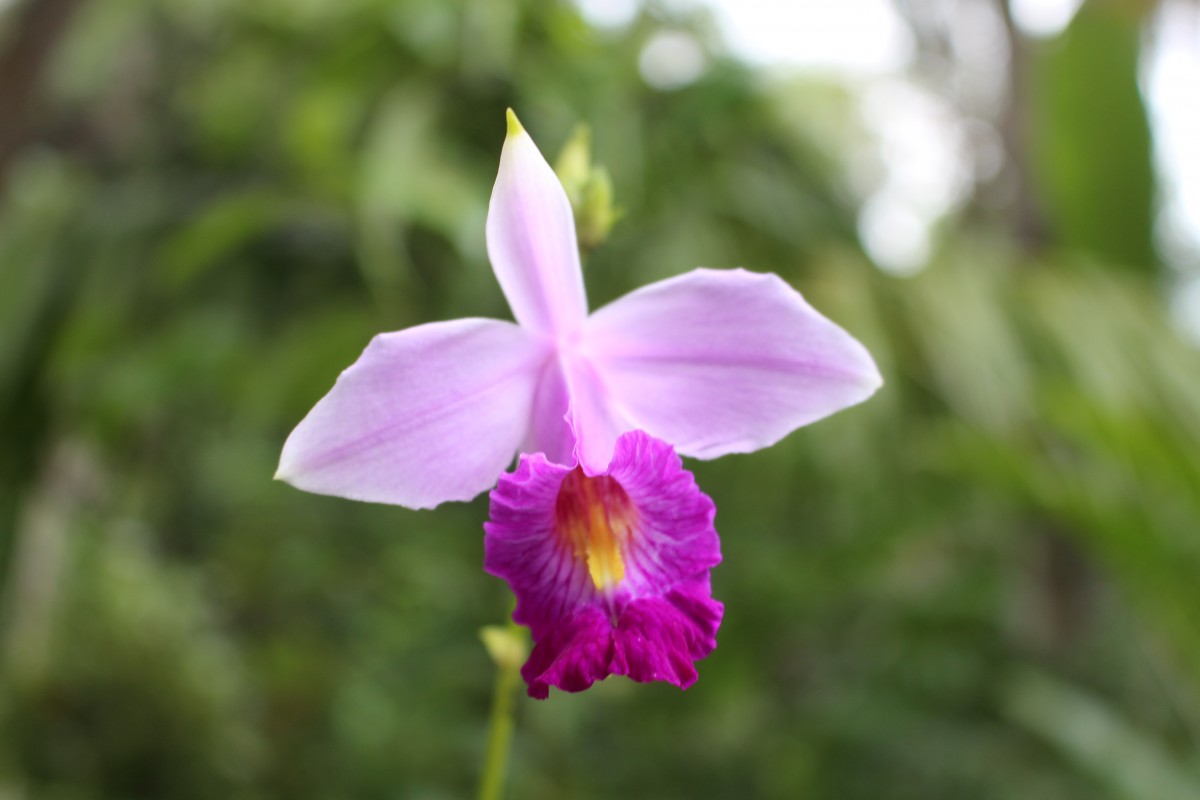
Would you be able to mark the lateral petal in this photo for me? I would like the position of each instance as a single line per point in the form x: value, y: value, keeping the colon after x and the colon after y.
x: 531, y: 239
x: 426, y: 415
x: 725, y: 361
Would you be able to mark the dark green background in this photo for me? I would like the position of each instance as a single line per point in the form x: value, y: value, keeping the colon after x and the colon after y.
x: 984, y: 583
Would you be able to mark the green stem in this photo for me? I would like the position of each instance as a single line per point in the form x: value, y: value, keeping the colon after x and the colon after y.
x: 500, y: 729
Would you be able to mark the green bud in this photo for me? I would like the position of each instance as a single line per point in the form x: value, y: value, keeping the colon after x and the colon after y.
x: 575, y: 163
x: 506, y: 644
x: 595, y: 214
x: 589, y: 189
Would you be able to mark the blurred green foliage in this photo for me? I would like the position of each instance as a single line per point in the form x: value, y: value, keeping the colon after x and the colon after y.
x: 980, y: 584
x: 1091, y: 140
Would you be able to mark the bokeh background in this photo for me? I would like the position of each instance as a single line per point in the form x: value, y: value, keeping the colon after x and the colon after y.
x: 984, y: 583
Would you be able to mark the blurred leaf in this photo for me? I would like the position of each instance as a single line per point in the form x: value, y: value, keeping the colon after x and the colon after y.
x: 1091, y: 139
x: 217, y: 232
x: 405, y: 178
x: 1130, y: 763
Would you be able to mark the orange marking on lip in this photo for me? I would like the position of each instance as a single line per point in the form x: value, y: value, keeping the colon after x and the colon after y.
x: 594, y: 517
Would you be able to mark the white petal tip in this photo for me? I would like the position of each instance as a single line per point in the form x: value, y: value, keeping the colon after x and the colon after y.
x: 284, y: 472
x: 869, y: 380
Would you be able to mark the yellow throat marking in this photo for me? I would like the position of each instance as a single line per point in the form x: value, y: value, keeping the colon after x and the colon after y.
x: 594, y: 518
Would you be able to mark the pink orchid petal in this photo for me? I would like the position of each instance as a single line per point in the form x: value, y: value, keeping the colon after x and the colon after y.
x: 595, y: 419
x: 426, y: 415
x: 531, y: 239
x: 724, y: 361
x: 550, y: 432
x: 654, y: 639
x: 658, y: 618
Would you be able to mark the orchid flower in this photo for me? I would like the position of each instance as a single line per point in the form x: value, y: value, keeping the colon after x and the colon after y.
x: 713, y: 362
x: 602, y: 535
